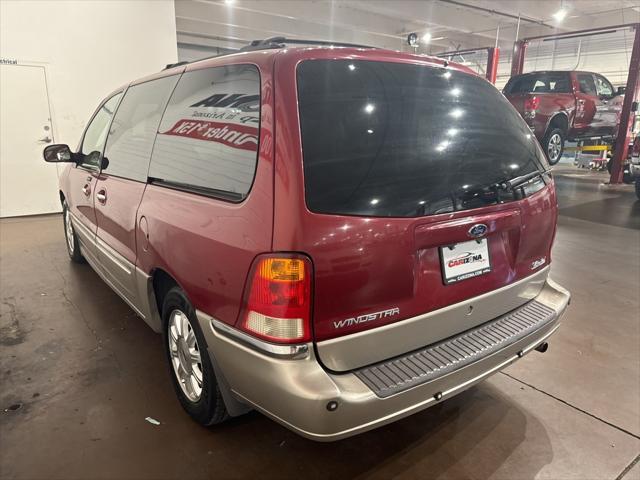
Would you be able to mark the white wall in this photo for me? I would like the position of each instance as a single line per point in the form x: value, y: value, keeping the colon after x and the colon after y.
x: 88, y: 49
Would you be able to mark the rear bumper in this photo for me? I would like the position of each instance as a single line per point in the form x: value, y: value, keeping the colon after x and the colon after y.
x: 291, y: 387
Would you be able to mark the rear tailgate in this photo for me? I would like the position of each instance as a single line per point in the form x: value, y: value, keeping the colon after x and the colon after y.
x: 401, y: 164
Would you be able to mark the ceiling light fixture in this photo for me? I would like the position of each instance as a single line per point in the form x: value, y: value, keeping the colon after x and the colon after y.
x: 560, y: 14
x: 426, y: 38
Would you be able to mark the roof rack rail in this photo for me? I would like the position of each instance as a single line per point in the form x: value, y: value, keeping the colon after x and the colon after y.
x: 177, y: 64
x: 281, y: 42
x: 273, y: 42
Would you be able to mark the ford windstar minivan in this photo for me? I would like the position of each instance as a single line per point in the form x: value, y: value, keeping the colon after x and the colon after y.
x: 336, y: 236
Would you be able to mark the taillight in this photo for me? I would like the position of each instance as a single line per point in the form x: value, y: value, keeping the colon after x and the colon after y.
x: 277, y: 304
x: 532, y: 103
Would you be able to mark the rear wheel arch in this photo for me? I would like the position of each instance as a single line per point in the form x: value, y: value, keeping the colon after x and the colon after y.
x: 162, y: 283
x: 559, y: 120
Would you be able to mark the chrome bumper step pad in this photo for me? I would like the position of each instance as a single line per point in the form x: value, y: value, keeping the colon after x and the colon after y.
x: 401, y: 373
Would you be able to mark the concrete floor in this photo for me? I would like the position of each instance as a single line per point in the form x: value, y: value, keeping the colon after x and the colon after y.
x: 86, y: 372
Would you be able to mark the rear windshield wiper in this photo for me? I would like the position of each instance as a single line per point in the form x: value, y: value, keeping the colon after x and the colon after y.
x: 521, y: 180
x: 497, y: 192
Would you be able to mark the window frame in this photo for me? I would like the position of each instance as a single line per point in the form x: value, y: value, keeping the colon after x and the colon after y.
x: 542, y: 76
x: 222, y: 195
x: 605, y: 81
x: 88, y: 167
x: 595, y: 85
x: 135, y: 84
x: 540, y: 161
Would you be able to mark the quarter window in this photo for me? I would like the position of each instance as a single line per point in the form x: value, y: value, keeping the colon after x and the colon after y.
x: 96, y: 133
x: 208, y: 138
x: 134, y: 128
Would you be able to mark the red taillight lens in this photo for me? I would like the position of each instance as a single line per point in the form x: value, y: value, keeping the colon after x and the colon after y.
x: 278, y: 303
x: 532, y: 103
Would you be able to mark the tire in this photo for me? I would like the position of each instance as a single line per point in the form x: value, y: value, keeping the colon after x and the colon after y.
x: 626, y: 174
x: 553, y: 145
x: 638, y: 188
x: 73, y: 245
x: 182, y: 339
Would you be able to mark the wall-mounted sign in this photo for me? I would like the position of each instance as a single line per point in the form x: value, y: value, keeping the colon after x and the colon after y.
x: 8, y: 61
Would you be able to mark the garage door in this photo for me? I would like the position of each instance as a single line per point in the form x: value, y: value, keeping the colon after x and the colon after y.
x: 28, y: 186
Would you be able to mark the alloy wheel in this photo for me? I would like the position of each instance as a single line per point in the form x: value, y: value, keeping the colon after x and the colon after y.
x: 185, y: 355
x: 68, y: 227
x: 554, y: 147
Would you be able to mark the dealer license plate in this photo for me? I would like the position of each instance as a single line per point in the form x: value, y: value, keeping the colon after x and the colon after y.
x: 465, y: 260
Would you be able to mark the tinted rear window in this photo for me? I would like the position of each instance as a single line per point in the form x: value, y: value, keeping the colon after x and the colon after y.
x: 543, y: 82
x: 391, y: 139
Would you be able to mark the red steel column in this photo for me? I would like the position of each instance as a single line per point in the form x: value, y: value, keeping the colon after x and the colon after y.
x: 492, y: 64
x: 517, y: 62
x: 622, y: 142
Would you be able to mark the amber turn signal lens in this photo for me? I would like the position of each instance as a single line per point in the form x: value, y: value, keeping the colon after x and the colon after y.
x: 282, y: 269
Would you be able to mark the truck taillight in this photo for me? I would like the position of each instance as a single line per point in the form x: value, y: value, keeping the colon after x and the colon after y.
x: 277, y: 307
x: 532, y: 103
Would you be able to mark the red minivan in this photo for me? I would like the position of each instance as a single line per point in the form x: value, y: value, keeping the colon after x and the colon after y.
x: 335, y: 236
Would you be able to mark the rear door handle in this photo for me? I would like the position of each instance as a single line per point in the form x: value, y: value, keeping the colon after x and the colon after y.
x: 86, y: 189
x: 102, y: 196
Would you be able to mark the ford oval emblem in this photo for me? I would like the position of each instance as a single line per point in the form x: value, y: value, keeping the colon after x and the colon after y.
x: 478, y: 230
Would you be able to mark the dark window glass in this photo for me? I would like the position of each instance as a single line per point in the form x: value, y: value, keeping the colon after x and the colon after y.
x: 134, y: 128
x: 543, y: 82
x: 392, y: 139
x: 587, y: 85
x: 96, y: 133
x: 208, y: 139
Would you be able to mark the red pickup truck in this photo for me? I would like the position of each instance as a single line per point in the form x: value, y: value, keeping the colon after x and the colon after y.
x: 565, y: 105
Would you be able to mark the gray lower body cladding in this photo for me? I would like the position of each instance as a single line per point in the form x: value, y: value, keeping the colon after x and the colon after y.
x: 298, y: 392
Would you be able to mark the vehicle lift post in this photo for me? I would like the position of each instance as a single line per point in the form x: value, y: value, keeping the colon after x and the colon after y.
x: 493, y: 55
x: 633, y: 84
x: 631, y: 91
x: 492, y: 64
x: 517, y: 61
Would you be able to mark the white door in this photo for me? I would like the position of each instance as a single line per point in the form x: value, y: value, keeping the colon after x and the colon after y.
x: 28, y: 185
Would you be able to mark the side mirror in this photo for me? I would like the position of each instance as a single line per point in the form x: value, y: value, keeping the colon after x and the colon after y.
x: 57, y: 153
x: 104, y: 163
x: 621, y: 90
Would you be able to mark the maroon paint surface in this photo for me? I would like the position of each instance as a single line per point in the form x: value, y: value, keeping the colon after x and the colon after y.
x: 361, y: 265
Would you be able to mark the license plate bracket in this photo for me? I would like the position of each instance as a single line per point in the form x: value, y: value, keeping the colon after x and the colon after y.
x: 465, y: 260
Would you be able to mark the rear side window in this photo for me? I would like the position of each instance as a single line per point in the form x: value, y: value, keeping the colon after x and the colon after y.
x: 543, y: 82
x: 134, y: 128
x: 392, y: 139
x: 587, y: 85
x: 208, y: 138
